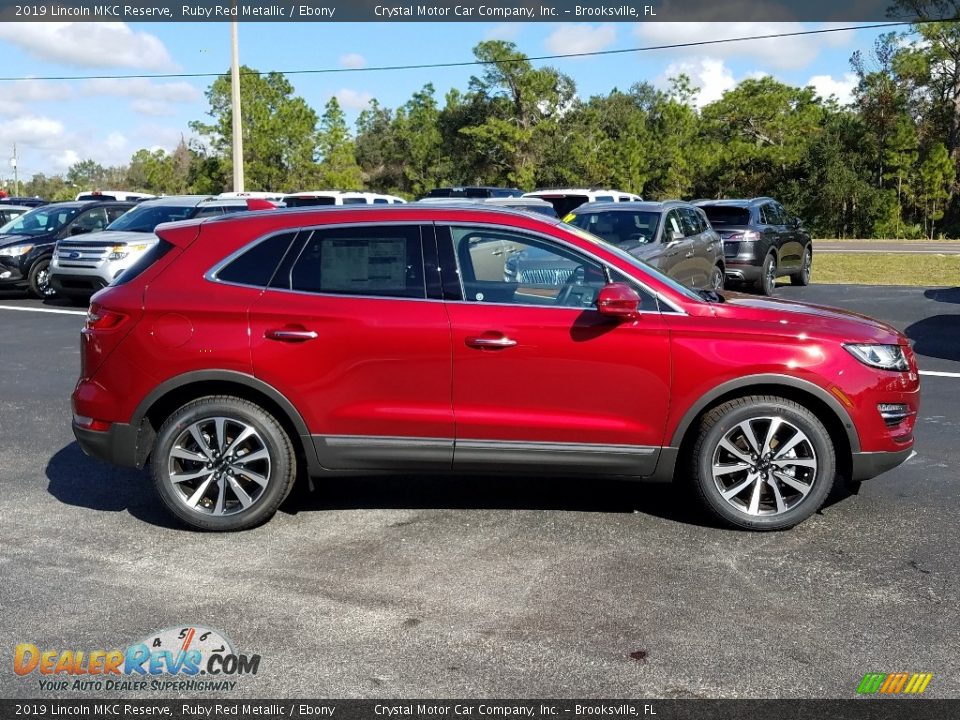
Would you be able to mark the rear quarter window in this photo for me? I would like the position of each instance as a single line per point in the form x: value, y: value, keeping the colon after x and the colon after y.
x: 256, y: 265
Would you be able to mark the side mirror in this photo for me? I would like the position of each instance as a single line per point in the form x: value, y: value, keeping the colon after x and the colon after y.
x: 675, y: 237
x: 79, y: 230
x: 619, y: 301
x: 795, y: 222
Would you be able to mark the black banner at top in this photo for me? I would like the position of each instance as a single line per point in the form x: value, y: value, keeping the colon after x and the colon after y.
x: 479, y: 11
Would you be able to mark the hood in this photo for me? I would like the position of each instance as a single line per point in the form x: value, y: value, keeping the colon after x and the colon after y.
x: 815, y: 320
x: 22, y: 239
x: 113, y: 237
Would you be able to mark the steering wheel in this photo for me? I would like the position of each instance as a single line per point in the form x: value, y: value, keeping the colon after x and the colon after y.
x: 574, y: 293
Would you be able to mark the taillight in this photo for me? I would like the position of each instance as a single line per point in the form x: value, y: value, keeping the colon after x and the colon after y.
x: 88, y: 423
x: 99, y: 318
x: 745, y: 236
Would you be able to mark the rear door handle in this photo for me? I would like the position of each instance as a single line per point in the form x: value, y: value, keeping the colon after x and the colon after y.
x: 290, y: 335
x: 495, y: 343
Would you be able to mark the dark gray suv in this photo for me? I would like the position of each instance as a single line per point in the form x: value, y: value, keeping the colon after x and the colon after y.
x: 761, y: 242
x: 673, y: 236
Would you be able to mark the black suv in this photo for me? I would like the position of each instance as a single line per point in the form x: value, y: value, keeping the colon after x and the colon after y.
x: 761, y: 242
x: 27, y: 242
x: 474, y: 191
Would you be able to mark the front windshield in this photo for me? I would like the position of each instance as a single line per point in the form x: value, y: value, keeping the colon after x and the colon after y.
x: 39, y: 221
x: 634, y: 262
x: 623, y: 228
x: 145, y: 218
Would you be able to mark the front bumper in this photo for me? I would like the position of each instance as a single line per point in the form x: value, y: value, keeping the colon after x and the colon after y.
x: 77, y: 284
x: 11, y: 272
x: 117, y: 445
x: 868, y: 465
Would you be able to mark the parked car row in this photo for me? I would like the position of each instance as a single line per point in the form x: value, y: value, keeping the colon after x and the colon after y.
x: 704, y: 245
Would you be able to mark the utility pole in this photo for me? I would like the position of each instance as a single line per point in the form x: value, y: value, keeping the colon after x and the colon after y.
x: 235, y: 98
x: 16, y: 178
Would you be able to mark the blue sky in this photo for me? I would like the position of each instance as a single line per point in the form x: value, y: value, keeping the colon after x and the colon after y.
x: 56, y: 123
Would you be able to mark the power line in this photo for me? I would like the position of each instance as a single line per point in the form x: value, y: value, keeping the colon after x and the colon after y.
x: 469, y: 63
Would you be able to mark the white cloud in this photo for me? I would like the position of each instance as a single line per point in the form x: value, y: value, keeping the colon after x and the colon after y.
x: 711, y: 75
x: 32, y: 131
x: 504, y: 31
x: 20, y: 95
x: 580, y: 38
x: 353, y: 99
x: 779, y: 53
x: 89, y: 44
x: 827, y: 85
x: 353, y: 61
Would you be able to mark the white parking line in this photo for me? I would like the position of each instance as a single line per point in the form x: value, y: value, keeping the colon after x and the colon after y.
x: 937, y: 373
x: 46, y: 310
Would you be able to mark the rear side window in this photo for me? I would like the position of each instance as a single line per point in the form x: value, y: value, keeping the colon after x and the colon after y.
x: 355, y: 201
x: 145, y: 261
x: 256, y: 265
x: 382, y: 261
x: 727, y: 215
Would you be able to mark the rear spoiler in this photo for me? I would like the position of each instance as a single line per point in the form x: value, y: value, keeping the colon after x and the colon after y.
x: 179, y: 233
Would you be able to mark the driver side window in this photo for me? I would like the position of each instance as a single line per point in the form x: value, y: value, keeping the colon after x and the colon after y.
x: 499, y: 266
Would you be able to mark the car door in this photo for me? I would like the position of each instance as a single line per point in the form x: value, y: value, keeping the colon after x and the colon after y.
x: 701, y: 264
x: 675, y: 251
x: 791, y: 248
x: 540, y: 379
x: 347, y: 333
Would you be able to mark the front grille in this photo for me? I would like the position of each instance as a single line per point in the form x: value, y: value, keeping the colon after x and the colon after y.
x: 82, y: 255
x: 544, y: 276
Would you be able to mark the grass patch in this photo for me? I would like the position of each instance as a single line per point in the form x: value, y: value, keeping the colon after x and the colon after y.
x: 886, y: 269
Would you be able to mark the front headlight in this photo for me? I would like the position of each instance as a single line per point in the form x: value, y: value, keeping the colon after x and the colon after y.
x: 884, y: 357
x: 119, y: 252
x: 15, y: 250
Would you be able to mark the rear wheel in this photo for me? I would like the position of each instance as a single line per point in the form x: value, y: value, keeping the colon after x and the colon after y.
x: 768, y: 275
x: 222, y: 463
x: 716, y: 278
x: 762, y: 463
x: 802, y: 276
x: 39, y: 279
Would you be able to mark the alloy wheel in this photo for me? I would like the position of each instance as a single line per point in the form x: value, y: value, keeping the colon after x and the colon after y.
x: 764, y: 466
x: 219, y: 466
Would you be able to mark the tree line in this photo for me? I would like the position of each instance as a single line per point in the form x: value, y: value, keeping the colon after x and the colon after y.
x: 883, y: 166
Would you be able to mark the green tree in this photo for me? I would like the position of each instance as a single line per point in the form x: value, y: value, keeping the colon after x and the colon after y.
x: 937, y: 173
x: 87, y: 175
x: 279, y: 130
x: 338, y: 166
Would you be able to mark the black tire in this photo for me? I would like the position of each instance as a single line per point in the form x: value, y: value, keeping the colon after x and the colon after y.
x: 771, y: 492
x: 767, y: 282
x: 278, y: 467
x: 39, y: 280
x: 716, y: 278
x: 802, y: 276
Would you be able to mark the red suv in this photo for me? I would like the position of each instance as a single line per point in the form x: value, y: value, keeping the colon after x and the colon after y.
x: 243, y: 351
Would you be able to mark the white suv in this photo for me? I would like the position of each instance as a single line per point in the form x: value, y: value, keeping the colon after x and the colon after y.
x: 84, y: 265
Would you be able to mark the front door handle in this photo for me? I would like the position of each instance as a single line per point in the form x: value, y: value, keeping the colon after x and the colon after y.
x: 495, y: 343
x: 290, y: 335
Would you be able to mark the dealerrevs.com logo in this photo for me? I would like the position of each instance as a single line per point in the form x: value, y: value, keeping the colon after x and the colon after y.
x: 177, y: 658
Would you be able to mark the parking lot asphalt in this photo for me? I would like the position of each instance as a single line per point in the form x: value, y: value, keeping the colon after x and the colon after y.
x: 487, y: 587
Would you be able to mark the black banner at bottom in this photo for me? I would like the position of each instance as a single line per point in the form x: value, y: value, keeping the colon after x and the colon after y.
x: 854, y: 709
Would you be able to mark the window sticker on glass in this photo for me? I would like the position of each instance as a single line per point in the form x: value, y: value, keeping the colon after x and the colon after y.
x: 359, y: 265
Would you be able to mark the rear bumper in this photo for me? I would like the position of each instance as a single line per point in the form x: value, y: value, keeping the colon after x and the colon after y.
x: 117, y: 446
x: 740, y: 269
x: 868, y: 465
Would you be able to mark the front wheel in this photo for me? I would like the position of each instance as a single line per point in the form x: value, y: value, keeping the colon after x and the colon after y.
x: 802, y: 276
x: 39, y: 279
x: 223, y: 464
x: 762, y: 463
